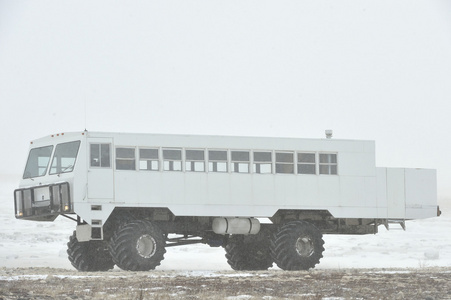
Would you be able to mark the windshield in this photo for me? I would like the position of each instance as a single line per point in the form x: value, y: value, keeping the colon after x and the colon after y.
x: 38, y: 161
x: 64, y: 158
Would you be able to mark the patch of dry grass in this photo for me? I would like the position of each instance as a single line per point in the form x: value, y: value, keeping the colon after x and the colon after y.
x: 274, y: 285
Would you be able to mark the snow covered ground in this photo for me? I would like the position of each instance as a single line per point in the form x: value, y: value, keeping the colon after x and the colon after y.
x: 426, y: 243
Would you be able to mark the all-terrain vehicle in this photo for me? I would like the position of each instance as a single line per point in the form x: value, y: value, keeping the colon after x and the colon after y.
x: 265, y: 200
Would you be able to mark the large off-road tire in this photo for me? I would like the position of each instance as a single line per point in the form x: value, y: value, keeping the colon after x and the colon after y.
x: 297, y: 245
x: 250, y: 255
x: 89, y: 256
x: 137, y: 245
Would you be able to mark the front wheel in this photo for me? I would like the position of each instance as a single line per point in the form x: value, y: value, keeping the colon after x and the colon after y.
x: 297, y: 245
x: 89, y: 256
x: 137, y: 245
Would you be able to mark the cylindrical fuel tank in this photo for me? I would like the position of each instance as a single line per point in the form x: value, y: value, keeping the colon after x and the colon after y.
x: 236, y: 226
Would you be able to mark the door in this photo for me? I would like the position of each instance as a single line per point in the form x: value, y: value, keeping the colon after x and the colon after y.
x: 396, y: 197
x: 100, y: 169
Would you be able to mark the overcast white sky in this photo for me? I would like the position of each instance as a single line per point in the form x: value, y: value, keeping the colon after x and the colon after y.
x: 378, y: 70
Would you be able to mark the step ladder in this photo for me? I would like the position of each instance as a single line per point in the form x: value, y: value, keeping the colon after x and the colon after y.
x: 401, y: 222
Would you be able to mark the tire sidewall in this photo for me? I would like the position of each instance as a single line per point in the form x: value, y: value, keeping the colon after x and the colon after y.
x: 250, y: 256
x: 158, y: 240
x: 310, y: 232
x: 123, y: 246
x: 283, y: 246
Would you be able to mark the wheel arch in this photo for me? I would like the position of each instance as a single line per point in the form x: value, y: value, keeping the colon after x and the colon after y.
x: 122, y: 215
x: 319, y: 218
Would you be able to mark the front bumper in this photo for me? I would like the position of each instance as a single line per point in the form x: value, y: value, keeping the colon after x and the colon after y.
x: 43, y: 202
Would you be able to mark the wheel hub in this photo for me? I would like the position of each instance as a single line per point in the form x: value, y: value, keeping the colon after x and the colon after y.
x: 304, y: 246
x: 146, y: 246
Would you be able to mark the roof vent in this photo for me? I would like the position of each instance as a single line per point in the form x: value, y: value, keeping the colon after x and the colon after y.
x: 329, y: 133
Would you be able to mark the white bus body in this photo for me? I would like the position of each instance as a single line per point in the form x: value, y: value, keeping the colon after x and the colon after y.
x: 216, y: 187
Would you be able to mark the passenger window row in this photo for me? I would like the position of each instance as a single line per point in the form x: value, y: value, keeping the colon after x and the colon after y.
x: 218, y: 160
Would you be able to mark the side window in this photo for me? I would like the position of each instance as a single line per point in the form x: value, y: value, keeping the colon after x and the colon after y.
x: 240, y: 161
x: 328, y: 163
x: 194, y: 160
x: 100, y: 155
x: 148, y: 159
x: 263, y: 162
x: 217, y: 161
x: 172, y: 160
x: 306, y: 163
x: 125, y: 159
x: 285, y: 162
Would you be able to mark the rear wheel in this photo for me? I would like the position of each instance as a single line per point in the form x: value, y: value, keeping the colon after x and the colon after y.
x: 297, y: 245
x: 89, y: 256
x: 248, y: 254
x: 137, y: 245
